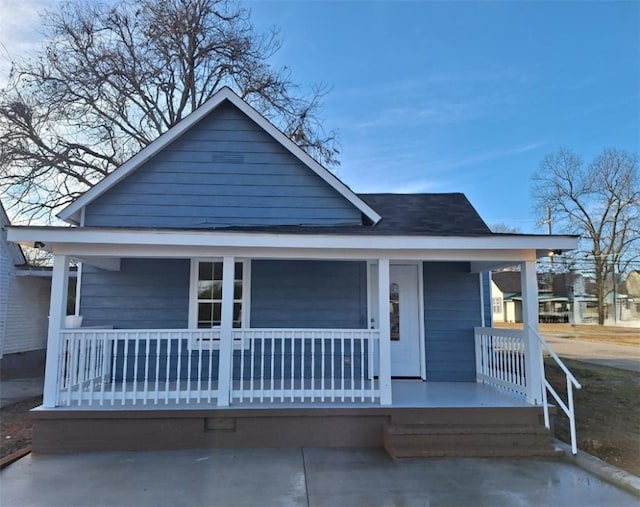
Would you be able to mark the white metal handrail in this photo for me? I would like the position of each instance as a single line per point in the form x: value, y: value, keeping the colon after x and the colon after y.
x: 568, y: 407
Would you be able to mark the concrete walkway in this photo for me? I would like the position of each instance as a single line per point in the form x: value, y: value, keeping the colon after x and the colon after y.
x: 626, y: 357
x: 292, y: 477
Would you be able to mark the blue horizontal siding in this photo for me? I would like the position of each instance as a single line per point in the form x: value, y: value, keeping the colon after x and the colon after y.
x: 194, y: 365
x: 225, y: 171
x: 316, y: 294
x: 452, y: 309
x: 144, y: 294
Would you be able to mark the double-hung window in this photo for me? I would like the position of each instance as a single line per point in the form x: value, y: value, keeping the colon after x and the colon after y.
x: 205, y: 299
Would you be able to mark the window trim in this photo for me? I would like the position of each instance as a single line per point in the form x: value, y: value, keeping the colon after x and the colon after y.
x: 497, y: 305
x: 193, y: 291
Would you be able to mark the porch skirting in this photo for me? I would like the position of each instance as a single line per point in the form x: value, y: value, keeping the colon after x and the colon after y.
x: 485, y: 431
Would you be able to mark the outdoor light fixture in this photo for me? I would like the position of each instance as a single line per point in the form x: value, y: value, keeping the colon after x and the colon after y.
x: 554, y: 252
x: 38, y: 244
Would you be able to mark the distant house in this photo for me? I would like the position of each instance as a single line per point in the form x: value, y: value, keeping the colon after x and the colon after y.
x: 506, y: 296
x: 562, y: 298
x: 24, y: 307
x: 622, y: 305
x: 234, y: 292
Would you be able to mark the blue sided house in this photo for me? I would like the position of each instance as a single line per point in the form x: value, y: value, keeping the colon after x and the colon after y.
x: 234, y: 292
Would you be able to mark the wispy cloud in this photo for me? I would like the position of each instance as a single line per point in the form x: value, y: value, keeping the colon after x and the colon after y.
x: 20, y: 34
x: 430, y: 101
x: 491, y: 154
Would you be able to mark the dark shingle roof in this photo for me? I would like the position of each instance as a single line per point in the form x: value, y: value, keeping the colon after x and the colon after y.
x: 402, y: 214
x: 431, y: 214
x: 507, y: 281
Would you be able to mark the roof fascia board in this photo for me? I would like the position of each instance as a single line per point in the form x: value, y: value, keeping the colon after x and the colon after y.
x: 82, y: 235
x: 100, y: 251
x: 72, y: 212
x: 17, y: 255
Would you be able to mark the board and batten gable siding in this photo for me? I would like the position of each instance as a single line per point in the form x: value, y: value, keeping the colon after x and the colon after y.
x: 144, y: 294
x: 308, y: 294
x: 225, y: 171
x: 451, y: 310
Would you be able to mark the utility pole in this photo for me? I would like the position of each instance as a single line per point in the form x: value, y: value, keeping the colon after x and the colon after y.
x: 548, y: 220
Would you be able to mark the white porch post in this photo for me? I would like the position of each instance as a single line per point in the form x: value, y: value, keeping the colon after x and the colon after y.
x: 384, y: 373
x: 57, y: 313
x: 226, y: 332
x: 533, y: 350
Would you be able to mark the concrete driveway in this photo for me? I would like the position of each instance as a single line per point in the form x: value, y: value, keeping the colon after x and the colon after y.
x: 292, y: 477
x: 626, y: 357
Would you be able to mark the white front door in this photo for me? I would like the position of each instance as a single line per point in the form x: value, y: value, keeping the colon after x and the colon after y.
x: 405, y: 320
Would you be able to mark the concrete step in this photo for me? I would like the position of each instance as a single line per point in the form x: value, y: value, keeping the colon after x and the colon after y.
x: 464, y: 429
x: 415, y: 440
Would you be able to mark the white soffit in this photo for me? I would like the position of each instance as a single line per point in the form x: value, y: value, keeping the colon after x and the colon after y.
x: 238, y: 239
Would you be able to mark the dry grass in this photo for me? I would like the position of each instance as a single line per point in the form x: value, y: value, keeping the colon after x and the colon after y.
x: 603, y: 334
x: 607, y: 412
x: 15, y: 425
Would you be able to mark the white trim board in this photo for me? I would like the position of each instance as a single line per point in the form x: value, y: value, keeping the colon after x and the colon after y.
x: 74, y: 212
x: 240, y: 239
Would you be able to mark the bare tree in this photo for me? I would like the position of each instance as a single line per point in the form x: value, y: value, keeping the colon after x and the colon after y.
x: 112, y: 78
x: 502, y: 228
x: 600, y: 202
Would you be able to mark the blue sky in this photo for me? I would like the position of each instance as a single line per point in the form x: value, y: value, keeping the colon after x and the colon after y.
x: 465, y: 96
x: 450, y: 96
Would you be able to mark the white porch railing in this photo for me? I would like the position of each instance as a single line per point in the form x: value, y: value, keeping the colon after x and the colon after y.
x: 172, y: 366
x: 305, y: 365
x: 500, y: 361
x: 130, y: 366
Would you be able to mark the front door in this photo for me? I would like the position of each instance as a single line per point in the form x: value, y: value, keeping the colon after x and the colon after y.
x: 405, y: 320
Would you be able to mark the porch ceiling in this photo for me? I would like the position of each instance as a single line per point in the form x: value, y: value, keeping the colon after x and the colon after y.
x: 483, y: 251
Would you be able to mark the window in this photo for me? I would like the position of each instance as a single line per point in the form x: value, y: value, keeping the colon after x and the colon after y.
x: 206, y: 294
x: 394, y: 311
x: 497, y: 305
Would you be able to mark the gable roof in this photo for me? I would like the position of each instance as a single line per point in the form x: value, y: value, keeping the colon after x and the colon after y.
x: 402, y: 215
x: 72, y: 212
x: 431, y: 214
x: 507, y: 281
x: 15, y: 251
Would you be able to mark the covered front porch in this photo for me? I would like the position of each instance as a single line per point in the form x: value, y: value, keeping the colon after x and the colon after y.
x: 426, y: 419
x: 244, y: 360
x: 108, y: 368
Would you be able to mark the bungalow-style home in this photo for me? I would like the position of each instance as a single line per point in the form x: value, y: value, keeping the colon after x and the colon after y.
x: 234, y: 292
x: 506, y: 296
x: 24, y: 307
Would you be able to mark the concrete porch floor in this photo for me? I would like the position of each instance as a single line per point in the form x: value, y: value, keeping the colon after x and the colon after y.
x: 406, y: 393
x: 292, y: 477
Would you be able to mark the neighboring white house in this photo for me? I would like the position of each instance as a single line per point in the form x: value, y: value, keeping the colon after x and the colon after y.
x: 24, y: 306
x: 506, y: 296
